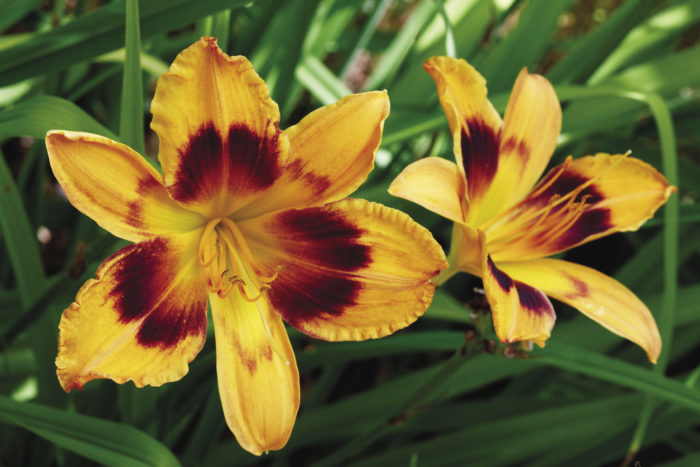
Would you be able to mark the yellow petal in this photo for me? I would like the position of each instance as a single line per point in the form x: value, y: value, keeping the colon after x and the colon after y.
x: 434, y: 183
x: 577, y: 202
x: 475, y: 124
x: 351, y: 270
x: 218, y: 129
x: 332, y: 152
x: 143, y: 318
x: 596, y: 295
x: 467, y: 249
x: 520, y: 312
x: 115, y: 186
x: 532, y: 126
x: 257, y: 374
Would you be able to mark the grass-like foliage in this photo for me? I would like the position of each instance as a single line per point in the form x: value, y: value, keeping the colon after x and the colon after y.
x: 443, y: 391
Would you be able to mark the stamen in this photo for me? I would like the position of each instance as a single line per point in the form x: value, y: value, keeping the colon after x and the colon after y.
x: 275, y: 273
x: 239, y: 240
x: 550, y: 182
x: 204, y: 239
x: 247, y: 297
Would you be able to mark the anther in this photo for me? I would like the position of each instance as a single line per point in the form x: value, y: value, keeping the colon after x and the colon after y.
x: 247, y: 297
x: 275, y: 273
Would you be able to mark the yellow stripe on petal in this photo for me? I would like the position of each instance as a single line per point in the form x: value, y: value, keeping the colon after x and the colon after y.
x: 601, y: 298
x: 474, y: 123
x: 350, y: 270
x: 578, y: 202
x: 530, y: 131
x: 332, y: 152
x: 436, y: 184
x: 520, y: 312
x: 256, y: 370
x: 143, y: 318
x: 218, y: 129
x: 115, y: 186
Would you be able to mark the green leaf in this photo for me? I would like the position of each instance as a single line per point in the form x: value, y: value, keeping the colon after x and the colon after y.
x: 536, y: 23
x: 98, y: 32
x: 662, y: 27
x: 13, y: 10
x: 36, y: 116
x: 394, y: 55
x: 320, y: 81
x: 598, y: 366
x: 20, y: 239
x: 512, y: 439
x: 106, y: 442
x: 587, y: 53
x: 131, y: 122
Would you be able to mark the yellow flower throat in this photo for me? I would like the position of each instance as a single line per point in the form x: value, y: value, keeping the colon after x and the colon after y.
x: 228, y: 262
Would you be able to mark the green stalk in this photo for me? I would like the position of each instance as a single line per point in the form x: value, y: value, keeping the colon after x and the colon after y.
x: 131, y: 121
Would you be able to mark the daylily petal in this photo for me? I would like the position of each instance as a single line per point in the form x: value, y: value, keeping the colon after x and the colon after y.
x: 332, y: 152
x: 218, y: 130
x: 143, y: 318
x: 475, y: 124
x: 352, y: 270
x: 468, y: 246
x: 434, y: 183
x: 257, y: 373
x: 577, y: 202
x: 112, y: 184
x: 529, y: 136
x: 520, y: 312
x: 596, y: 295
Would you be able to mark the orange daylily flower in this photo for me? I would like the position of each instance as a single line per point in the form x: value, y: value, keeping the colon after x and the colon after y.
x: 249, y: 218
x: 506, y: 222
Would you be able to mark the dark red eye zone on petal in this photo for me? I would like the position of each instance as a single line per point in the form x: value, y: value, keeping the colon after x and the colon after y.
x: 200, y: 164
x: 144, y: 275
x: 590, y: 223
x: 254, y: 158
x: 322, y: 237
x: 243, y: 160
x: 145, y: 187
x: 479, y: 154
x: 317, y: 279
x: 503, y: 279
x: 565, y: 183
x: 530, y: 298
x: 590, y: 220
x: 518, y: 146
x: 318, y: 183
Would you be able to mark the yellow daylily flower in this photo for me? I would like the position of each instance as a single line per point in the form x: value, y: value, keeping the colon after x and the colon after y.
x: 249, y: 218
x: 506, y: 222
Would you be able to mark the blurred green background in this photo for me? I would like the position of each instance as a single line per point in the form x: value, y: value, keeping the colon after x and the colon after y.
x: 628, y: 75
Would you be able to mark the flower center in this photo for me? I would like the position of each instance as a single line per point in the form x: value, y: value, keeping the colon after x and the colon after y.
x: 228, y: 262
x: 532, y: 227
x: 228, y: 265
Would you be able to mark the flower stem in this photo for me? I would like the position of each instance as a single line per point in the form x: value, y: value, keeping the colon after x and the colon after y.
x: 445, y: 275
